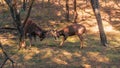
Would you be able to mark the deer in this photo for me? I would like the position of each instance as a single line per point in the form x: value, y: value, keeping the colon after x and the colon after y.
x: 32, y: 30
x: 74, y: 29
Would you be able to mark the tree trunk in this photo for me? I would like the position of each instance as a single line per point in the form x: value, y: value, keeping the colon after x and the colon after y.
x: 95, y: 6
x: 67, y: 10
x: 15, y: 13
x: 24, y: 4
x: 75, y: 12
x: 48, y: 1
x: 42, y: 3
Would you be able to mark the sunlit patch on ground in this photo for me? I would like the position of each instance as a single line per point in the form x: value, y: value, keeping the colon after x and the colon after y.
x: 73, y: 39
x: 96, y: 57
x: 59, y: 61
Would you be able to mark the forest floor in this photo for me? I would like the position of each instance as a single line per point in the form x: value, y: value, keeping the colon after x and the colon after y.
x: 47, y: 54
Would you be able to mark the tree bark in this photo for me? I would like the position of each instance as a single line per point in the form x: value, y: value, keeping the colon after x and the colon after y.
x: 95, y: 6
x: 67, y: 10
x: 15, y: 13
x: 24, y: 4
x: 75, y: 12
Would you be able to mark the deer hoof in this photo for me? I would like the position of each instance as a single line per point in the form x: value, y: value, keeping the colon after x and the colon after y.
x: 81, y: 47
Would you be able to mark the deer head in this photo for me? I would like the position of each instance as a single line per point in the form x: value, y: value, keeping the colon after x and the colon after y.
x: 55, y: 33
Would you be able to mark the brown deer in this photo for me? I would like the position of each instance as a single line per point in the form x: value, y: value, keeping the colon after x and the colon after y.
x: 74, y: 29
x: 31, y: 30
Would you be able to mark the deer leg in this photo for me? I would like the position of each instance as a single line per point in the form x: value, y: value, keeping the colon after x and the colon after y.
x: 63, y: 39
x: 81, y: 41
x: 30, y: 38
x: 22, y: 44
x: 35, y: 37
x: 41, y: 39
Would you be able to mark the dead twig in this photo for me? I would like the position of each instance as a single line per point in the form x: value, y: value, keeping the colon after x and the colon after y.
x: 7, y: 58
x: 7, y: 28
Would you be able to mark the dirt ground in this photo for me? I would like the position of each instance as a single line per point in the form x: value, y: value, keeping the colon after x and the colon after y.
x: 47, y: 54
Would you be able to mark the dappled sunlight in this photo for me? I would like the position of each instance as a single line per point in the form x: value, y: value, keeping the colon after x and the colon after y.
x: 59, y: 61
x: 7, y: 42
x: 73, y: 39
x: 112, y: 34
x: 67, y: 55
x: 84, y: 59
x: 47, y: 53
x: 77, y: 54
x: 28, y: 54
x: 109, y: 28
x: 114, y: 39
x: 87, y: 66
x: 6, y: 39
x: 94, y: 29
x: 97, y: 57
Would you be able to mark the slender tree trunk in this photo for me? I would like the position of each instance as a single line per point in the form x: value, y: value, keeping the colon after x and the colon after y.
x: 67, y: 10
x: 24, y: 4
x: 95, y: 6
x: 15, y: 13
x: 42, y: 3
x: 75, y: 12
x: 48, y: 1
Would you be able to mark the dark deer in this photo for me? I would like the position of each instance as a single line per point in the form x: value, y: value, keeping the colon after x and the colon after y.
x: 31, y: 30
x: 74, y: 29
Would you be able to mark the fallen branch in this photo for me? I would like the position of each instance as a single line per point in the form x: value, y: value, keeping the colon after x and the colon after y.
x: 8, y: 28
x: 7, y: 58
